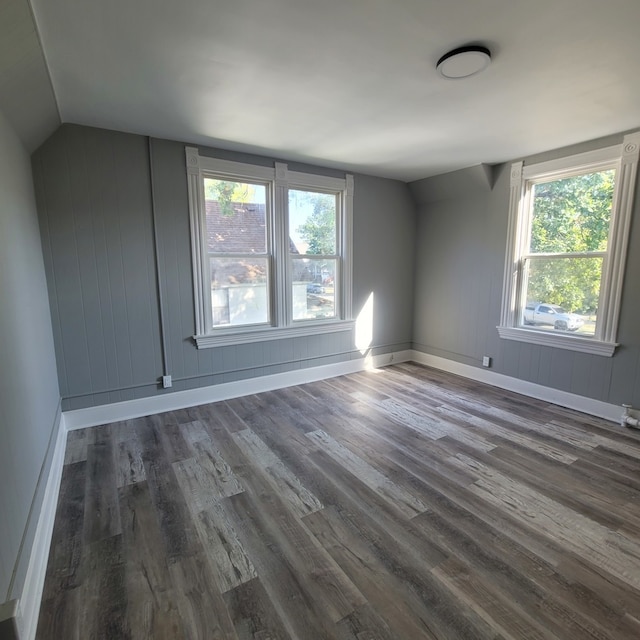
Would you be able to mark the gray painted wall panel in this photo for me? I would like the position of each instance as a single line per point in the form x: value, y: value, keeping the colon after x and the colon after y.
x: 544, y: 372
x: 580, y: 372
x: 95, y: 204
x: 452, y: 302
x: 29, y: 395
x: 384, y: 238
x: 64, y: 264
x: 95, y: 209
x: 525, y: 364
x: 170, y: 185
x: 461, y: 241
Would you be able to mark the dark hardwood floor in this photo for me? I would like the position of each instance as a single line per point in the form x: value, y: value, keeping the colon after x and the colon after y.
x: 403, y: 503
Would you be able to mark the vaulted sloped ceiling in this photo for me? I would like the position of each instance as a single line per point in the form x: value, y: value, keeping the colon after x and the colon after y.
x: 26, y: 95
x: 345, y: 83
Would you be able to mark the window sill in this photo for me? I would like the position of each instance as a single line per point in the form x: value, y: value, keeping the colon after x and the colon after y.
x: 245, y: 336
x: 559, y: 340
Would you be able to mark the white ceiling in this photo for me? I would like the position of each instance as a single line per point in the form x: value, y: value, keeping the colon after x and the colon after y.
x: 348, y: 83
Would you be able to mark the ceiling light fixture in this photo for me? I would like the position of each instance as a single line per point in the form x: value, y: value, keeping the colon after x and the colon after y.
x: 464, y: 62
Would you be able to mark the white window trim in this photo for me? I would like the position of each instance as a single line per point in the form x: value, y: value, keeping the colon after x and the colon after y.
x: 625, y: 157
x: 281, y: 179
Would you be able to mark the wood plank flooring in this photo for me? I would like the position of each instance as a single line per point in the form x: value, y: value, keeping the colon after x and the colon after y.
x: 399, y: 504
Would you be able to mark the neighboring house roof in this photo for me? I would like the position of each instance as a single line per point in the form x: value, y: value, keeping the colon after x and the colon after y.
x: 243, y: 231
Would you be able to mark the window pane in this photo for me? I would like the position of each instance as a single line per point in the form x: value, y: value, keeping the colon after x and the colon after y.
x: 312, y: 223
x: 562, y: 294
x: 572, y: 214
x: 313, y: 288
x: 239, y: 291
x: 236, y: 216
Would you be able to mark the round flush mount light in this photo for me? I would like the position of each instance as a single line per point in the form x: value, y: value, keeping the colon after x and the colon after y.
x: 464, y: 62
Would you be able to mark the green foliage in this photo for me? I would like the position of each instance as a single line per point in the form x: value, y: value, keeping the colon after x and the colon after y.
x: 228, y: 194
x: 570, y: 215
x: 319, y: 229
x: 571, y: 283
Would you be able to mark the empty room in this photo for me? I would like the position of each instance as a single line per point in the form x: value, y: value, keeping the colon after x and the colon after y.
x: 319, y: 320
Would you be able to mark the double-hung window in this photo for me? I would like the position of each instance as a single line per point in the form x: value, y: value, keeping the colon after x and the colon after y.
x: 271, y: 251
x: 568, y: 227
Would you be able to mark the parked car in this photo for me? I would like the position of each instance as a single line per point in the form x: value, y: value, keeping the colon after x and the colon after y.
x: 551, y: 315
x: 315, y: 288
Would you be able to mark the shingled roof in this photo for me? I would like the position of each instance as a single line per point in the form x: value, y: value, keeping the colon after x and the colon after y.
x: 241, y: 232
x: 244, y: 231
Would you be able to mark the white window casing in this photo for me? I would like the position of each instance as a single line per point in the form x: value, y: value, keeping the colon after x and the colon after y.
x: 624, y: 159
x: 279, y: 180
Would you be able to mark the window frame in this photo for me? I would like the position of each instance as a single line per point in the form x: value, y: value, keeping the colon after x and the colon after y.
x: 267, y: 255
x: 291, y: 257
x: 624, y: 159
x: 279, y: 180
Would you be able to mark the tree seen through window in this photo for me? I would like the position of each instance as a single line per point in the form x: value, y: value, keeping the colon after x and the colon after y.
x: 569, y: 234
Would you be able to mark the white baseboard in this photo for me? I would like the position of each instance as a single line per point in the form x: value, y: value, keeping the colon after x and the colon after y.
x: 554, y: 396
x: 103, y: 414
x: 30, y: 599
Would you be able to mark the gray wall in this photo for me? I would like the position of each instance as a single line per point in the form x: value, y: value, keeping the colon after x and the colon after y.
x: 460, y: 248
x: 94, y: 202
x: 94, y: 206
x: 29, y: 397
